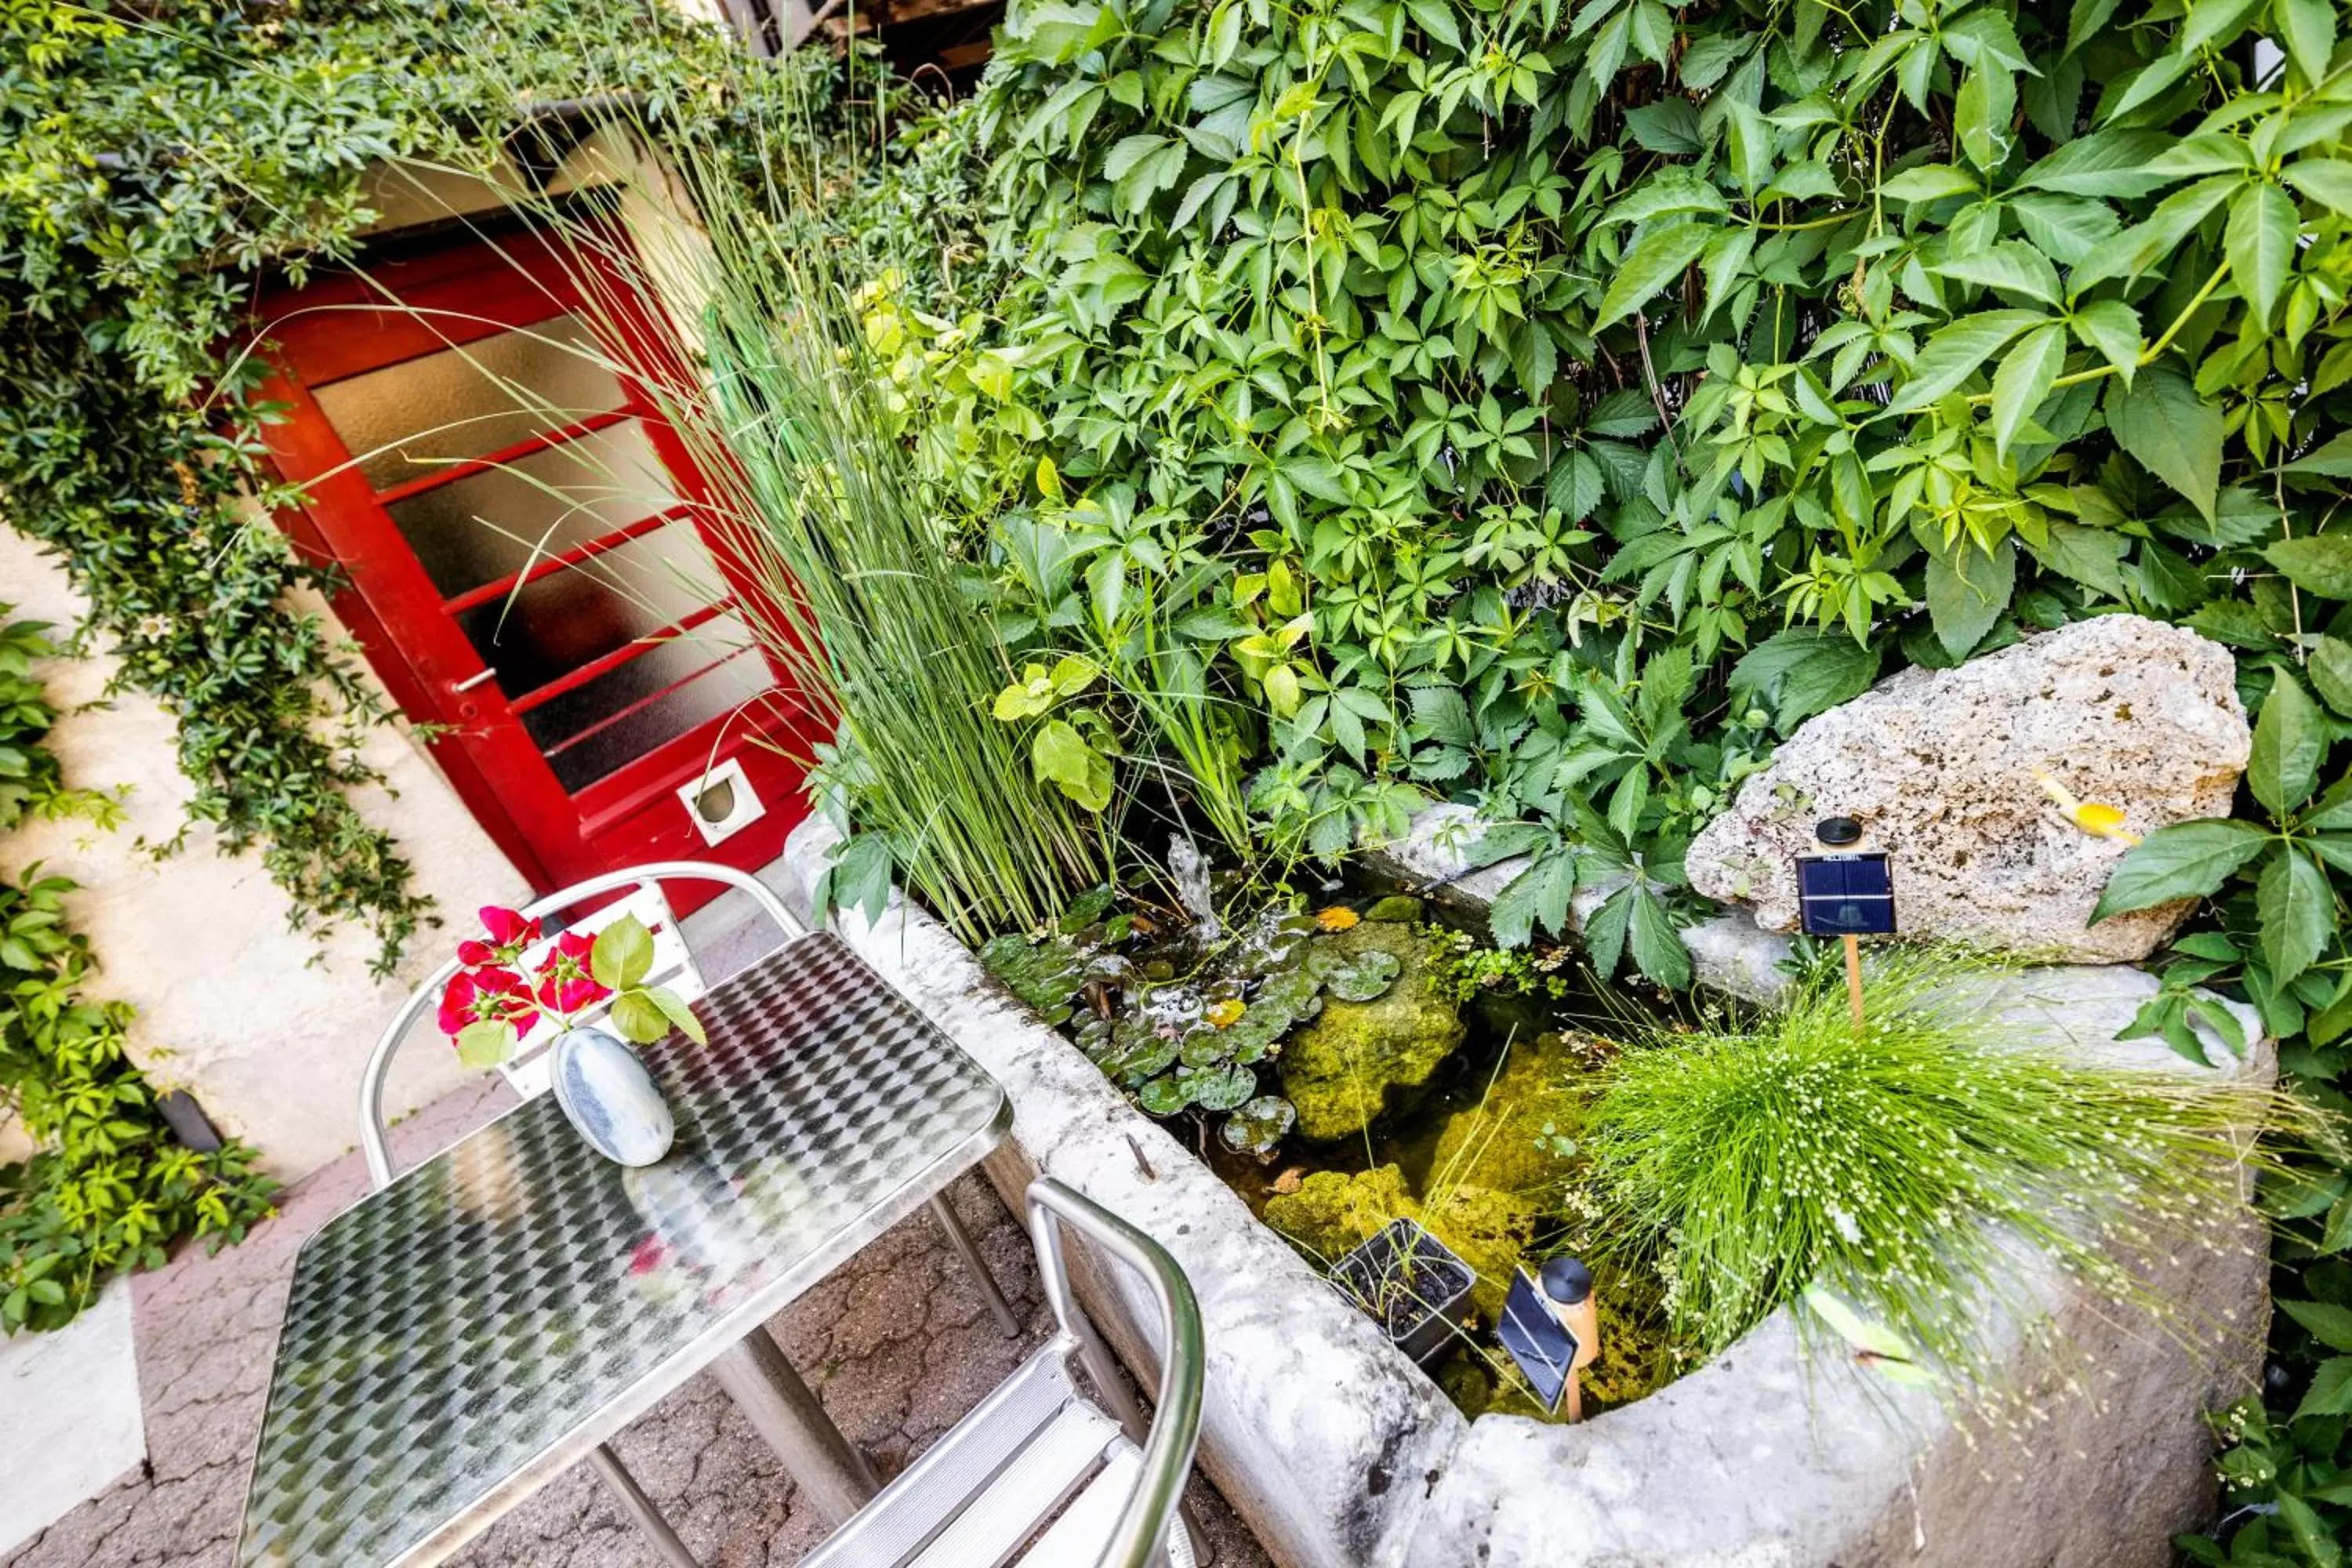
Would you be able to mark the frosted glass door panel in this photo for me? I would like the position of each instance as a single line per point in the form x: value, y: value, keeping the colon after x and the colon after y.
x: 713, y: 694
x: 556, y: 623
x: 492, y: 524
x: 568, y: 715
x: 410, y: 419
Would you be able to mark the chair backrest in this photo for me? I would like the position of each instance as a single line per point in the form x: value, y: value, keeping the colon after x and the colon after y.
x: 1169, y: 1439
x: 674, y: 965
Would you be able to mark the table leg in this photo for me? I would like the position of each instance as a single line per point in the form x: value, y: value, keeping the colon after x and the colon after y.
x: 960, y: 1239
x: 640, y: 1507
x: 780, y: 1408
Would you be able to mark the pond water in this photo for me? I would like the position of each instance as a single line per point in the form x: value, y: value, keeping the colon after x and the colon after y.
x: 1343, y: 1062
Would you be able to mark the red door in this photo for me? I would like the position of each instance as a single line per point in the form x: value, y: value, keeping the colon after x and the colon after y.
x: 533, y: 584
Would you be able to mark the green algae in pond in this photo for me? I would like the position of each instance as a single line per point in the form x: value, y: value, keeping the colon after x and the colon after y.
x: 1489, y: 1165
x: 1522, y: 1132
x: 1334, y: 1212
x: 1362, y: 1058
x: 1366, y: 980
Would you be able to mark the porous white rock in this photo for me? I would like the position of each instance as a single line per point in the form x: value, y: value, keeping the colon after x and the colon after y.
x: 1939, y: 766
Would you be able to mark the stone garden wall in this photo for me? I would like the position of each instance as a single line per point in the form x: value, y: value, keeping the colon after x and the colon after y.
x: 1340, y: 1454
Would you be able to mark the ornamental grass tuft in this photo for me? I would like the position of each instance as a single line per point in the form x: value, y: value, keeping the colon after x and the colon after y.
x: 1913, y: 1166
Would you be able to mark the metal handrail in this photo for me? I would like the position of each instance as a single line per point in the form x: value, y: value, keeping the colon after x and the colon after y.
x: 373, y: 1139
x: 1167, y: 1444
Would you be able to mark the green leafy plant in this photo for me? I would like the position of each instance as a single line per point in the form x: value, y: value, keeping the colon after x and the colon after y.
x: 31, y: 783
x: 1060, y: 751
x: 1893, y: 1164
x: 107, y: 1187
x: 1465, y: 971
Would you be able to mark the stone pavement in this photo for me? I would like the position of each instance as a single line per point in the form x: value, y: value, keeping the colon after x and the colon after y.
x: 206, y: 1329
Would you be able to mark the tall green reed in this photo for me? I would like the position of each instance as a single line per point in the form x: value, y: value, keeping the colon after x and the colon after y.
x: 709, y: 284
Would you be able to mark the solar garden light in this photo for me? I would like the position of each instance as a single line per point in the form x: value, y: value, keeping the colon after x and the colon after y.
x: 1847, y: 892
x: 1551, y: 1330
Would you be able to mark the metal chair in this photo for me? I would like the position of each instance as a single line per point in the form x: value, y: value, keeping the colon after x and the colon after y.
x: 674, y: 965
x: 1037, y: 1455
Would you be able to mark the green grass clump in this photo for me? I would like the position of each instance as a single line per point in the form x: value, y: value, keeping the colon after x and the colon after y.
x: 1900, y: 1164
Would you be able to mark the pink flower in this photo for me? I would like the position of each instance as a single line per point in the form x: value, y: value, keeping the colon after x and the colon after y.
x: 486, y: 995
x: 563, y: 984
x: 508, y: 934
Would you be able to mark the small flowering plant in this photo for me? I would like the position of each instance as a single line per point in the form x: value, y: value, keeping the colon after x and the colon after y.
x: 491, y: 1002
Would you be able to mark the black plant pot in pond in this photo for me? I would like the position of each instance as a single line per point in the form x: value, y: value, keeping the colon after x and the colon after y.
x: 1410, y: 1283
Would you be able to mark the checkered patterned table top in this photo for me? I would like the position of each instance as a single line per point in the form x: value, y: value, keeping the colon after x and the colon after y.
x: 456, y: 1339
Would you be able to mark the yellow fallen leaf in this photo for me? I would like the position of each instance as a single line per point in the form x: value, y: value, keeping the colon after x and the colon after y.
x: 1338, y: 917
x: 2093, y: 816
x: 1225, y: 1015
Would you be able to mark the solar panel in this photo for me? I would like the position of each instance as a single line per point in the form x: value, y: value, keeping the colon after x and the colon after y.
x: 1538, y: 1340
x: 1848, y: 894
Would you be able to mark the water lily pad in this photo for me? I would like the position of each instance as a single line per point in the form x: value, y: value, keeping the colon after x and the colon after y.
x: 1260, y: 1125
x: 1217, y: 1088
x: 1045, y: 976
x: 1224, y: 1012
x: 1177, y: 1006
x: 1110, y: 968
x: 1249, y: 1040
x: 1087, y: 907
x: 1368, y: 976
x: 1203, y: 1048
x: 1135, y: 1051
x: 1287, y: 937
x: 1162, y: 1097
x: 1298, y: 991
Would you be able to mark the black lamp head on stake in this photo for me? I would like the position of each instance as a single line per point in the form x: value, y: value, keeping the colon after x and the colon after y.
x: 1566, y: 1281
x: 1838, y: 832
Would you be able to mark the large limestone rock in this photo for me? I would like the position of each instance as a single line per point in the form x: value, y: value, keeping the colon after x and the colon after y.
x: 1938, y: 765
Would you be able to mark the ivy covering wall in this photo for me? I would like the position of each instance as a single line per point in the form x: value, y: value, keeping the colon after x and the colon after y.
x: 152, y: 173
x: 108, y: 1187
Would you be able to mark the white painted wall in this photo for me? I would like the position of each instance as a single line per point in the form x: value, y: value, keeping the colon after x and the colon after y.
x: 269, y: 1028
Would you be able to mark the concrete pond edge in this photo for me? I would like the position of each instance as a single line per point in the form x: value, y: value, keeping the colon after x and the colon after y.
x: 1339, y: 1453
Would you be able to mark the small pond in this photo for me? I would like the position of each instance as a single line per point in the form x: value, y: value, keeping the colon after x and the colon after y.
x: 1344, y: 1061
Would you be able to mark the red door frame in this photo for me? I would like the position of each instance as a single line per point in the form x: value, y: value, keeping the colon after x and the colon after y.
x: 346, y: 325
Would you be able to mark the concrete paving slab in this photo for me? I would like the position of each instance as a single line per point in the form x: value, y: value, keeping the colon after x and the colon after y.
x: 72, y: 1427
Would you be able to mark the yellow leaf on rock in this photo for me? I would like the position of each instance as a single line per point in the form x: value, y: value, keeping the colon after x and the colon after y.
x: 2106, y: 821
x: 1338, y: 917
x: 1225, y: 1015
x: 2093, y: 816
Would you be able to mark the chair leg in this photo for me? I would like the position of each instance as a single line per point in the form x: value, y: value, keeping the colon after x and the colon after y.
x: 962, y: 1242
x: 640, y: 1507
x: 1193, y: 1534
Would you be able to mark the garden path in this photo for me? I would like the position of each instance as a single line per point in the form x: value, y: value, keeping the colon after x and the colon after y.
x: 206, y: 1328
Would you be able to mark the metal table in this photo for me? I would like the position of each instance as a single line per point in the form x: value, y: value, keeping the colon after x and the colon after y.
x: 459, y: 1338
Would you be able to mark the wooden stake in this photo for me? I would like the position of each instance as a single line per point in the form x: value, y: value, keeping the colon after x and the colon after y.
x: 1575, y: 1396
x: 1853, y: 976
